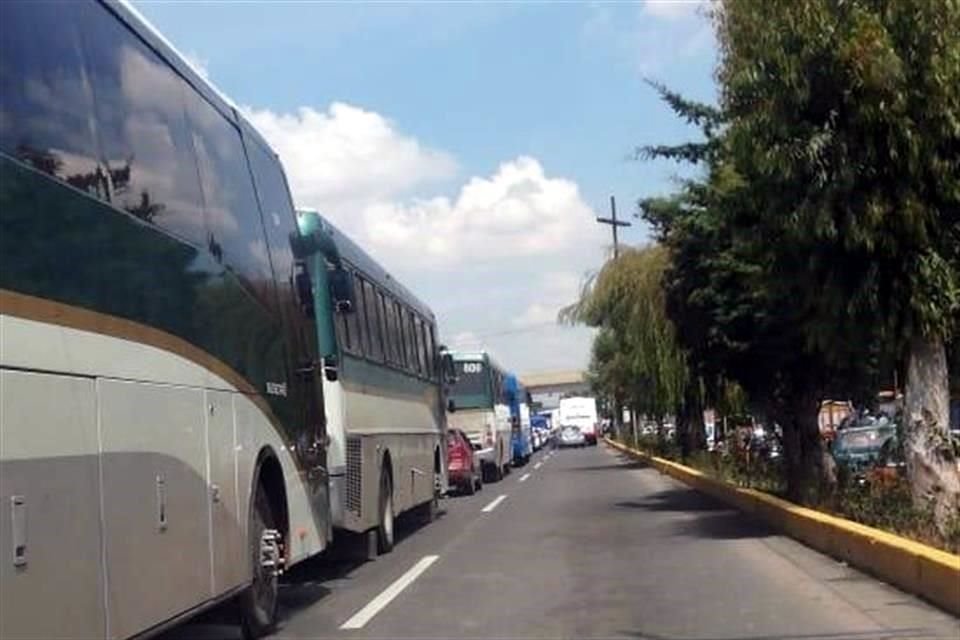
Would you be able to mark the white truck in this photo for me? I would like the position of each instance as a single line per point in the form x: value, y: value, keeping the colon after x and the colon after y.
x: 581, y: 412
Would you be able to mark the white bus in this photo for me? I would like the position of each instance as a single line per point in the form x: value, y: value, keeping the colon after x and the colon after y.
x: 162, y: 430
x: 480, y: 410
x: 382, y: 387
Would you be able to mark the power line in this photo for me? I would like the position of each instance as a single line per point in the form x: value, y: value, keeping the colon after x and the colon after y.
x: 533, y: 327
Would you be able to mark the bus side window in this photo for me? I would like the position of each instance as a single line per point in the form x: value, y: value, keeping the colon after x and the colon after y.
x: 47, y: 101
x: 390, y: 320
x: 361, y: 314
x: 343, y: 333
x: 353, y: 321
x: 233, y: 217
x: 373, y: 321
x: 144, y: 138
x: 410, y: 345
x: 398, y: 335
x: 421, y: 346
x: 384, y: 331
x: 431, y: 350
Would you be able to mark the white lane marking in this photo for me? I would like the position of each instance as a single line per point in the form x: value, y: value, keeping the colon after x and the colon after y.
x: 362, y: 617
x: 493, y: 504
x: 523, y: 477
x: 537, y: 466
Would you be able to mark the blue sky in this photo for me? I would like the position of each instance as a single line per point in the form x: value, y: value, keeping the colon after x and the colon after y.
x: 466, y: 146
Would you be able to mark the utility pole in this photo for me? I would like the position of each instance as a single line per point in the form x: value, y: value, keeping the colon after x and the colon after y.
x: 614, y: 223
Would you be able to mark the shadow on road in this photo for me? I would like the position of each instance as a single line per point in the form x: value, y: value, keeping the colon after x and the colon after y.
x: 888, y: 634
x: 304, y: 585
x: 676, y: 500
x: 632, y: 464
x: 622, y: 462
x: 710, y: 518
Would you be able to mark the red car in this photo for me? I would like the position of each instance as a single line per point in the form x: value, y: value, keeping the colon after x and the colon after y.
x: 463, y: 468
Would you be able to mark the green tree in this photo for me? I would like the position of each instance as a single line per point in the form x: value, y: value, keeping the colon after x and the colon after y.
x: 636, y: 354
x: 735, y: 318
x: 844, y: 125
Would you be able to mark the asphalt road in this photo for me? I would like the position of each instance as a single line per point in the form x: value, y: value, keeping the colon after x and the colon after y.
x: 587, y: 544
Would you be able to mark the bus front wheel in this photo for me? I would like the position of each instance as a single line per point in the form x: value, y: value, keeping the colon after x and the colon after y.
x: 258, y: 604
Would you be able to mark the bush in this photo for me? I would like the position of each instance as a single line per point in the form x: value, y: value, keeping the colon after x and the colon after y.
x: 878, y: 496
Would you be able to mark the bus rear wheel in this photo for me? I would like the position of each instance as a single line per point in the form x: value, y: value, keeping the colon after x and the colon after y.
x: 258, y: 604
x: 385, y: 527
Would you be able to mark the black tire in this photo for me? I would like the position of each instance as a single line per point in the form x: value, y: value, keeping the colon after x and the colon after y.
x: 430, y: 510
x: 258, y: 603
x: 385, y: 527
x: 479, y: 482
x: 470, y: 487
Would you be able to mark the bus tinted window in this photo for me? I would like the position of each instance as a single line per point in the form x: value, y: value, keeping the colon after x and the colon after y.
x: 143, y: 132
x: 233, y: 218
x: 421, y: 346
x: 431, y: 351
x: 409, y: 341
x: 384, y: 332
x: 343, y: 332
x: 354, y: 320
x: 394, y: 341
x: 361, y: 315
x: 373, y: 321
x: 46, y: 105
x: 398, y: 334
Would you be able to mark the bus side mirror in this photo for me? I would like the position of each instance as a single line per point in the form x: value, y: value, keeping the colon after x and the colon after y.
x: 448, y: 368
x: 341, y: 287
x: 303, y: 288
x: 451, y: 406
x: 331, y: 368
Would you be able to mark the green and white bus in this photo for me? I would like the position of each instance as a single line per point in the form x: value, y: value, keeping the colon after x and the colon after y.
x: 480, y: 410
x: 382, y: 386
x: 164, y: 354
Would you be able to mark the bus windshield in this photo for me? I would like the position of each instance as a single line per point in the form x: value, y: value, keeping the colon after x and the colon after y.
x: 472, y: 388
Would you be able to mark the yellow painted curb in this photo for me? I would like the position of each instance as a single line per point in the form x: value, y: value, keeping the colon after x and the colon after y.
x: 914, y: 567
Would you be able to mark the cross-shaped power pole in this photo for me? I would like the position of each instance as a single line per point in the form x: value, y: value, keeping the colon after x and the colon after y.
x: 614, y: 223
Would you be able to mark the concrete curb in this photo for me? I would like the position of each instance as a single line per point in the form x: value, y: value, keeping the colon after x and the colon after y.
x: 914, y: 567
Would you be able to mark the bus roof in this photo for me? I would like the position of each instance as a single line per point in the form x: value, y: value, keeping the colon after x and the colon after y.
x: 356, y: 256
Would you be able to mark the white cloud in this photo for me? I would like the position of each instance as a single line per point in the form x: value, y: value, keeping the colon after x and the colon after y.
x: 488, y: 253
x: 199, y: 64
x: 672, y: 9
x: 466, y: 341
x: 652, y: 36
x: 555, y: 290
x: 347, y: 157
x: 536, y: 314
x: 518, y: 211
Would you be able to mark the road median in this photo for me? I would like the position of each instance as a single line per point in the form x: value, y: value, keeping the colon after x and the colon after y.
x: 914, y: 567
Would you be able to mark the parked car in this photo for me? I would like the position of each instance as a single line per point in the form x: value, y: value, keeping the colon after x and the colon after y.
x: 572, y: 437
x: 541, y: 430
x: 463, y: 465
x: 865, y: 442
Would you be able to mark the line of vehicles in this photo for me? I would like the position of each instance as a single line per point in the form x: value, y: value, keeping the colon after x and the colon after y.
x: 200, y: 385
x: 491, y: 425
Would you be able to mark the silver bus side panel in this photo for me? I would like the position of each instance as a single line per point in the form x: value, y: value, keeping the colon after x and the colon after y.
x: 51, y: 569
